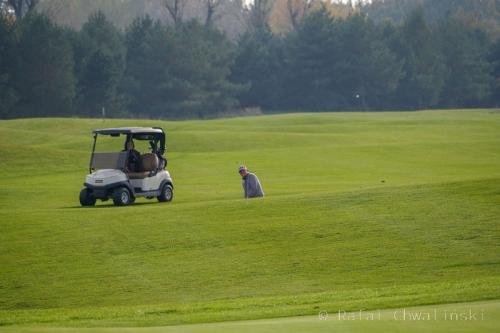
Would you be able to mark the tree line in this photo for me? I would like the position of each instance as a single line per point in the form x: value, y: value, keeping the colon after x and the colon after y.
x: 191, y: 69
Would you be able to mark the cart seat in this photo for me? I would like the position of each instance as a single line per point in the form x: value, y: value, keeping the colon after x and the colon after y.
x: 149, y: 164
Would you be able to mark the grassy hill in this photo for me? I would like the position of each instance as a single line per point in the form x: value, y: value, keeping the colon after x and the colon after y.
x: 362, y: 211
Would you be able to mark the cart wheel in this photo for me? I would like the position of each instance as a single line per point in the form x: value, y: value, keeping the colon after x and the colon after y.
x: 86, y: 198
x: 167, y: 193
x: 121, y: 196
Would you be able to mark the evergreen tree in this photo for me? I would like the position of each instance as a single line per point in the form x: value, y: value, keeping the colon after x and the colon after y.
x: 149, y: 60
x: 202, y: 62
x: 494, y: 58
x: 424, y: 66
x: 339, y: 64
x: 194, y: 70
x: 8, y: 96
x: 311, y: 50
x: 178, y: 72
x: 259, y: 64
x: 100, y: 62
x: 468, y: 79
x: 366, y: 71
x: 44, y: 75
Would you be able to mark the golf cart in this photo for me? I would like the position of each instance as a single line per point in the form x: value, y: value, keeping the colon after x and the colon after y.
x: 111, y: 177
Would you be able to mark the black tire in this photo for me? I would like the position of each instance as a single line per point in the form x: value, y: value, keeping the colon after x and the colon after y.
x: 121, y: 196
x: 86, y: 198
x: 167, y: 193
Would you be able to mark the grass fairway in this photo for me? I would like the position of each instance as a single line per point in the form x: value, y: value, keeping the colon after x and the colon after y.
x: 478, y: 317
x: 362, y: 211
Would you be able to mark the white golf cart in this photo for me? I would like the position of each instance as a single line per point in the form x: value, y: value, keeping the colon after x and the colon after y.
x: 110, y: 176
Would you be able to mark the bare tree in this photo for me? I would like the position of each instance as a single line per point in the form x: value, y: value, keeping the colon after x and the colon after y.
x: 259, y: 11
x: 22, y: 7
x: 176, y: 9
x: 232, y: 18
x: 211, y: 8
x: 52, y: 8
x: 3, y: 7
x: 297, y: 9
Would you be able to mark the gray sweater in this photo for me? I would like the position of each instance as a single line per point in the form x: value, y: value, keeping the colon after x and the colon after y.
x: 251, y: 186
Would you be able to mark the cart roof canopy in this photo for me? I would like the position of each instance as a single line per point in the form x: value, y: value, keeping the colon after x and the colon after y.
x: 154, y: 134
x: 129, y: 130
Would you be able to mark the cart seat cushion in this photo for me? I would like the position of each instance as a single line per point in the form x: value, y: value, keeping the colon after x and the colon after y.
x: 149, y: 163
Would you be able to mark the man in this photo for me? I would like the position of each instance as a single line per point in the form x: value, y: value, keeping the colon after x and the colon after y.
x: 251, y: 184
x: 133, y: 158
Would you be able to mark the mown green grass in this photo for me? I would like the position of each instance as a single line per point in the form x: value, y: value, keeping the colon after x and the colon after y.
x: 362, y: 210
x: 458, y: 317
